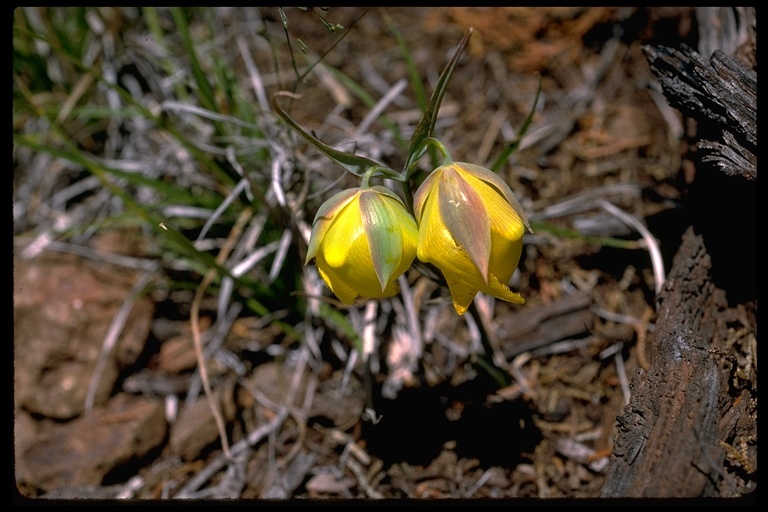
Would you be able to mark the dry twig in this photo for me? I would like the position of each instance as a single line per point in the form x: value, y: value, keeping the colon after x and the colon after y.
x: 195, y: 323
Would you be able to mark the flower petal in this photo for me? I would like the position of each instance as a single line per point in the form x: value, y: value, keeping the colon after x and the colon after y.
x: 436, y: 245
x: 504, y: 219
x: 499, y: 184
x: 423, y: 192
x: 464, y: 214
x: 345, y: 294
x: 462, y: 293
x: 345, y: 242
x: 324, y: 217
x: 386, y: 244
x: 502, y: 291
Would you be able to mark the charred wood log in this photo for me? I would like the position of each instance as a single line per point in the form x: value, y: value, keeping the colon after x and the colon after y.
x: 675, y: 436
x: 722, y: 93
x: 667, y: 443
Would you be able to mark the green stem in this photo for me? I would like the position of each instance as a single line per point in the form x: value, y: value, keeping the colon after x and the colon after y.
x: 486, y: 363
x: 382, y: 171
x: 485, y: 360
x: 364, y: 183
x: 408, y: 196
x: 419, y: 152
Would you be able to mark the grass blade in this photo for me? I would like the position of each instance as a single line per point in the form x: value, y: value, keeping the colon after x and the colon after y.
x: 427, y: 123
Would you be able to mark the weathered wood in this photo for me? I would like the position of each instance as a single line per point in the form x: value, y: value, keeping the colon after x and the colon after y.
x: 722, y: 94
x: 668, y: 442
x: 672, y: 437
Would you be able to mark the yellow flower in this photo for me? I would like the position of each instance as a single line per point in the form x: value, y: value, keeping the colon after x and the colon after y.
x: 362, y: 240
x: 471, y: 227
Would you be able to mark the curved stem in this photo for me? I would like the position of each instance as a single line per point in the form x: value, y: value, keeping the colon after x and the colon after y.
x: 419, y: 152
x: 413, y: 160
x: 365, y: 182
x: 382, y: 171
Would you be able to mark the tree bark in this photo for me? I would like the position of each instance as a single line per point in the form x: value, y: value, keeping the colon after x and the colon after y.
x: 667, y: 443
x: 698, y: 399
x: 722, y: 95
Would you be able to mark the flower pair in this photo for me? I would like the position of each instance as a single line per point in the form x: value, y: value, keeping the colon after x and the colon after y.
x: 467, y: 223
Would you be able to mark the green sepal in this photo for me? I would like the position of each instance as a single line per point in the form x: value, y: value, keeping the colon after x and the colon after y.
x: 381, y: 227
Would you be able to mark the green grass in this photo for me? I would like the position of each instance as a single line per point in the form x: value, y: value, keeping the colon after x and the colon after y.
x: 158, y: 104
x: 148, y: 101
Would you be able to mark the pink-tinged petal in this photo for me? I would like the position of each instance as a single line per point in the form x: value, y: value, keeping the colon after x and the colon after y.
x: 457, y: 239
x: 464, y: 213
x: 499, y: 184
x: 423, y: 192
x: 505, y: 221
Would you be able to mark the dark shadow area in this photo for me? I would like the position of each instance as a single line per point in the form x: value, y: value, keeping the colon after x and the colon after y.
x: 412, y: 429
x: 501, y: 434
x: 724, y: 212
x: 414, y: 426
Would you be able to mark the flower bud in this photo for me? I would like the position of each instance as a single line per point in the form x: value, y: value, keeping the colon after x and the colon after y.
x: 471, y: 227
x: 362, y: 240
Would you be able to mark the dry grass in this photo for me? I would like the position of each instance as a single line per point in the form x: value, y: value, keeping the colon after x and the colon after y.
x: 156, y: 124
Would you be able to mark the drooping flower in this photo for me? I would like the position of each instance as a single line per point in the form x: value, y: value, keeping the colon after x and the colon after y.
x: 471, y: 227
x: 362, y: 240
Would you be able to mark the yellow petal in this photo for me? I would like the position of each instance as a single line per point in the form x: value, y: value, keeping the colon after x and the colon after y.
x: 344, y: 293
x: 425, y: 190
x: 493, y: 179
x: 324, y: 218
x: 464, y: 291
x: 454, y: 214
x: 436, y: 245
x: 504, y: 219
x: 345, y: 242
x: 502, y: 291
x: 461, y: 292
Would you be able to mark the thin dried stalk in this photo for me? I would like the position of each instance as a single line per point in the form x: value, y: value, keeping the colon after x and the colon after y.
x: 195, y: 323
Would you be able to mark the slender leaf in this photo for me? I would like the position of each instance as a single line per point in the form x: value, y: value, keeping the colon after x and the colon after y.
x: 203, y: 158
x: 605, y: 241
x: 427, y: 123
x: 512, y: 146
x: 203, y: 85
x: 152, y: 19
x: 413, y: 71
x: 355, y: 164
